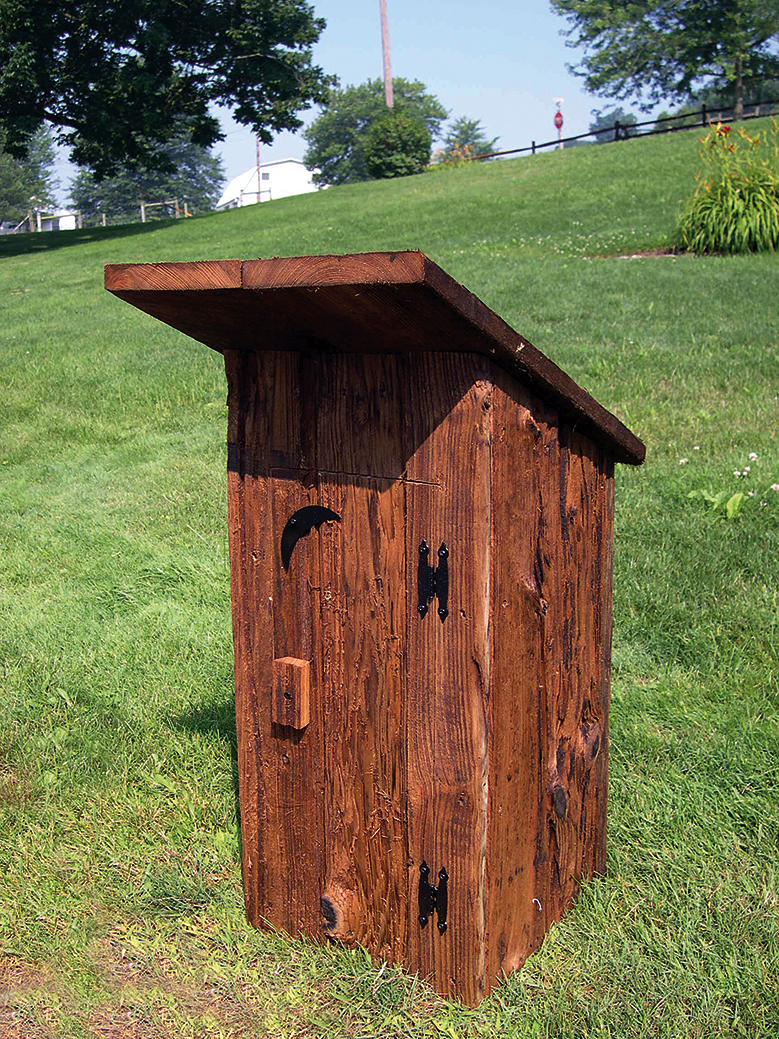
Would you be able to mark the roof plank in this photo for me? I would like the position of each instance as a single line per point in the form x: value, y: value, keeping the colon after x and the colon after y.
x: 385, y: 302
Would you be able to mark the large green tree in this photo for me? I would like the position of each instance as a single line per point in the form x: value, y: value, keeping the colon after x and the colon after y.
x: 197, y: 181
x: 116, y: 78
x: 657, y: 50
x: 27, y: 184
x: 336, y: 139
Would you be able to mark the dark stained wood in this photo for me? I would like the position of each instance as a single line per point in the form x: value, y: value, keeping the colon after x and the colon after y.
x: 366, y: 303
x: 363, y: 633
x: 449, y: 666
x: 518, y: 707
x: 279, y: 766
x: 576, y: 574
x: 291, y: 692
x: 361, y: 456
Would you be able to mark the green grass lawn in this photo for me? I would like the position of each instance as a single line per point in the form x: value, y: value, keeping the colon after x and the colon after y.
x: 120, y: 893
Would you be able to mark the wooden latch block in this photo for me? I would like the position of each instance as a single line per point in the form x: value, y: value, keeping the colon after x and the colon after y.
x: 291, y: 692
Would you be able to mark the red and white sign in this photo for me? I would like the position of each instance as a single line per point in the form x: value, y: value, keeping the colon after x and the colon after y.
x: 558, y: 120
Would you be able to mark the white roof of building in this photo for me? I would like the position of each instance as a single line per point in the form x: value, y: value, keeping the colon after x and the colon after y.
x: 247, y: 182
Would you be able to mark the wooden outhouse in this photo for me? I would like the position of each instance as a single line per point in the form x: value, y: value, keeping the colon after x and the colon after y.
x: 420, y: 525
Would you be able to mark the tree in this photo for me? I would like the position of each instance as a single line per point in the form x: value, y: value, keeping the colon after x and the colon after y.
x: 197, y: 182
x: 27, y: 184
x: 604, y: 121
x: 336, y: 139
x: 665, y: 49
x: 467, y: 133
x: 396, y: 145
x: 117, y: 78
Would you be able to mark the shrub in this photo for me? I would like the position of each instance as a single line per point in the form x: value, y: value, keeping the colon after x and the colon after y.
x: 397, y: 145
x: 452, y: 159
x: 735, y: 208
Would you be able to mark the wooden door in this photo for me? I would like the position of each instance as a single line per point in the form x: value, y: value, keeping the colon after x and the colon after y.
x: 390, y: 768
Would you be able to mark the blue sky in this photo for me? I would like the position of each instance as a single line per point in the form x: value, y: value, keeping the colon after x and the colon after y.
x: 498, y: 61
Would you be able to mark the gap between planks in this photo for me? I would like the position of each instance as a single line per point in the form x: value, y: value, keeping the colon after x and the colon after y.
x: 355, y: 476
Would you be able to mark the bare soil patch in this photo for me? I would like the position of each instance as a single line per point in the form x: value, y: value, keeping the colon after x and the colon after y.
x: 649, y: 253
x: 23, y: 1023
x: 18, y: 975
x: 128, y: 1021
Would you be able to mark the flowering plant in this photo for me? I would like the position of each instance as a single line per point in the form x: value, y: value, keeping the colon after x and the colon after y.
x: 735, y: 208
x: 451, y: 158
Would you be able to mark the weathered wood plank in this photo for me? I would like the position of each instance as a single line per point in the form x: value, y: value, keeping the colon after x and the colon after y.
x: 575, y: 560
x: 449, y: 665
x: 518, y: 715
x: 279, y: 767
x: 251, y: 629
x: 360, y: 456
x: 360, y: 427
x: 294, y: 759
x: 194, y: 275
x: 350, y: 269
x: 366, y: 303
x: 363, y: 625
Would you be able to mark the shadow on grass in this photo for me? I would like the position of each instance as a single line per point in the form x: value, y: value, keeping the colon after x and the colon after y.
x: 47, y: 241
x: 217, y: 719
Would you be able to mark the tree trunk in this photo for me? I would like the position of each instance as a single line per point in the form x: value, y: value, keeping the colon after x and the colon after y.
x: 738, y: 90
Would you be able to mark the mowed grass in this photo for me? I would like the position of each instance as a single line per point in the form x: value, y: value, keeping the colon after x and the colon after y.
x: 120, y: 891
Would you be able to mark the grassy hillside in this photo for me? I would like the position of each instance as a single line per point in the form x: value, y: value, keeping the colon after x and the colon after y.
x: 120, y: 897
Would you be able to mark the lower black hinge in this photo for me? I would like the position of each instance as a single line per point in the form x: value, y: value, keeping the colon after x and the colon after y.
x: 432, y: 581
x: 433, y: 898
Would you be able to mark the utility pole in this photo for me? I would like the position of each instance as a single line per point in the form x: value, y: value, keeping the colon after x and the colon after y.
x: 259, y: 182
x: 385, y: 48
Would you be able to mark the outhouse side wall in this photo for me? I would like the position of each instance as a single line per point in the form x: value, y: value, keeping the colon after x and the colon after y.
x: 552, y: 518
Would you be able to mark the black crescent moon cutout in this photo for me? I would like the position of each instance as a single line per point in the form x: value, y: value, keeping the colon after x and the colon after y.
x: 299, y: 524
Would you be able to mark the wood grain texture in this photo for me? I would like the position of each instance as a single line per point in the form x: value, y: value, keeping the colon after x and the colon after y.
x: 478, y: 744
x: 279, y: 767
x: 449, y: 665
x: 362, y: 302
x: 291, y: 692
x: 518, y: 715
x: 197, y: 275
x: 350, y: 269
x: 552, y: 538
x: 575, y: 562
x: 361, y: 457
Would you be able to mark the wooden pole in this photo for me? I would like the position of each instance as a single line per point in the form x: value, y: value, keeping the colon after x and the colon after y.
x: 385, y: 48
x: 259, y: 182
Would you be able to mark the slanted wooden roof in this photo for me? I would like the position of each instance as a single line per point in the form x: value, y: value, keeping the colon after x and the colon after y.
x: 361, y: 302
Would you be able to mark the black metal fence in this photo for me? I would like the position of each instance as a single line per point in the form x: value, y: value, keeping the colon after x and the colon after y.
x: 626, y: 131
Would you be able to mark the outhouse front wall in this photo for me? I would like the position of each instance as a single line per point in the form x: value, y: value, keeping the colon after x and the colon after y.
x: 478, y: 743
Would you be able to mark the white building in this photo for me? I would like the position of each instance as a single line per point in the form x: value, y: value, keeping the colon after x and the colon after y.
x: 61, y: 220
x: 278, y: 179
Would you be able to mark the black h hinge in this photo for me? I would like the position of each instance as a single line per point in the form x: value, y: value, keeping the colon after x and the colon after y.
x: 433, y: 898
x: 432, y: 582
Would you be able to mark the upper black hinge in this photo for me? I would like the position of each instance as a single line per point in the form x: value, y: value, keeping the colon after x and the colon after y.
x: 433, y: 582
x: 433, y: 898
